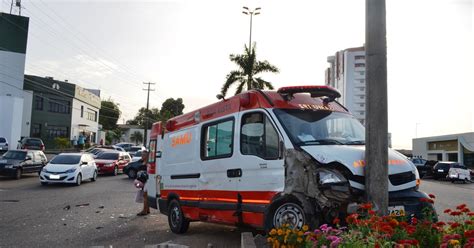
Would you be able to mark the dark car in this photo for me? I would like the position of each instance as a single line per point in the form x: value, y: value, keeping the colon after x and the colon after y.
x: 422, y: 167
x: 133, y: 168
x: 441, y: 169
x: 16, y: 162
x: 31, y: 144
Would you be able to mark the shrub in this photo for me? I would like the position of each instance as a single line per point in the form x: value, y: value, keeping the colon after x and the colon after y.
x: 62, y: 143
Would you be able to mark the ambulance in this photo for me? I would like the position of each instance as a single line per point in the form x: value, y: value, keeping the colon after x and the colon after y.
x: 266, y: 158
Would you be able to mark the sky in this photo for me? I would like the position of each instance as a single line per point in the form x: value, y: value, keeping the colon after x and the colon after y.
x: 184, y: 47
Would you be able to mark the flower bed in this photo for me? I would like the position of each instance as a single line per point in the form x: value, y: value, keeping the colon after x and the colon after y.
x: 366, y: 229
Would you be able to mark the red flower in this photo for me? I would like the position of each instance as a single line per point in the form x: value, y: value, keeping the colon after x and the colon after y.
x: 386, y: 229
x: 455, y: 213
x: 461, y: 206
x: 455, y: 224
x: 376, y: 245
x: 352, y: 219
x: 432, y: 196
x: 426, y: 200
x: 465, y: 210
x: 447, y: 211
x: 469, y: 222
x: 414, y: 221
x: 371, y: 212
x: 408, y: 242
x: 440, y: 223
x: 470, y: 213
x: 469, y: 234
x: 336, y: 221
x: 366, y: 206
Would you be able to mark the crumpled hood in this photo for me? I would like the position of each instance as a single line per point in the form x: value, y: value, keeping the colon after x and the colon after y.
x: 352, y: 156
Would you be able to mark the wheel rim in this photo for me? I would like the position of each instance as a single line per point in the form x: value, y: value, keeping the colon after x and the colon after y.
x: 95, y: 175
x: 79, y: 179
x: 175, y: 216
x: 289, y: 213
x: 115, y: 171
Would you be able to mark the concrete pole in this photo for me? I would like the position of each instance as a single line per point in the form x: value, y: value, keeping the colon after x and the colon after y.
x: 376, y: 170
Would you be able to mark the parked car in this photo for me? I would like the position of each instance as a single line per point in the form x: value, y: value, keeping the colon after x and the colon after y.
x: 441, y: 169
x: 125, y: 145
x: 133, y: 168
x: 112, y: 162
x: 136, y: 156
x: 3, y: 144
x: 421, y: 165
x: 459, y: 172
x: 134, y: 149
x: 72, y: 168
x: 16, y: 162
x: 31, y: 144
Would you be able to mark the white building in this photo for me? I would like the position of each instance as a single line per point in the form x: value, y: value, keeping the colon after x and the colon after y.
x: 453, y: 147
x: 15, y: 104
x: 128, y: 130
x: 346, y: 73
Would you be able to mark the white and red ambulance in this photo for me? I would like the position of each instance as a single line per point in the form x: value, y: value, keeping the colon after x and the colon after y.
x: 266, y: 158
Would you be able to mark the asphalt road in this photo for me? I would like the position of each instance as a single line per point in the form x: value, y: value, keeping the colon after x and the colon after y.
x: 103, y: 213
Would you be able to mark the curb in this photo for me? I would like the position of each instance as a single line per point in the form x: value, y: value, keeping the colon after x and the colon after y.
x: 247, y: 240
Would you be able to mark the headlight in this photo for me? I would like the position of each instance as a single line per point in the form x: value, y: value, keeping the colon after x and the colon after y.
x: 329, y: 177
x: 70, y: 170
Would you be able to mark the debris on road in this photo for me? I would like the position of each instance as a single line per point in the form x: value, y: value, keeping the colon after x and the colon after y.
x: 83, y: 205
x: 67, y: 207
x: 10, y: 200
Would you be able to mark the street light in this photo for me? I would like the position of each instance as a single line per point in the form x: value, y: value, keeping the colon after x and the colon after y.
x: 250, y: 12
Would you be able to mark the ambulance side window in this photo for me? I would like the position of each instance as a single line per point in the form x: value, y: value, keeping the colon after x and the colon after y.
x: 217, y: 139
x: 258, y: 136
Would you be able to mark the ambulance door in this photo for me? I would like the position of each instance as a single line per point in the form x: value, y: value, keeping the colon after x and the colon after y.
x: 219, y: 171
x: 261, y: 164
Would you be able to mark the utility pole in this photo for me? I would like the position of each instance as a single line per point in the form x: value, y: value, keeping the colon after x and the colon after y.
x: 376, y: 152
x: 145, y: 130
x: 247, y: 11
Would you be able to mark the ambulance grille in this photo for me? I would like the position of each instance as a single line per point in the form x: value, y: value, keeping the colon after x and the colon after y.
x: 402, y: 178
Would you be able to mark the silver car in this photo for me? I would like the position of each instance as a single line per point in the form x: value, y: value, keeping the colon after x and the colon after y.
x: 3, y: 144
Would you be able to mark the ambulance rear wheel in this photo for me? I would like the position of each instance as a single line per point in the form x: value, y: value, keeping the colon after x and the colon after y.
x: 176, y: 220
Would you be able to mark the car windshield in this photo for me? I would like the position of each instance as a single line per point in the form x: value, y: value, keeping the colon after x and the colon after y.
x: 443, y: 166
x: 66, y: 159
x: 309, y: 127
x: 108, y: 156
x: 2, y: 140
x: 138, y: 154
x: 134, y: 149
x: 33, y: 142
x: 19, y: 155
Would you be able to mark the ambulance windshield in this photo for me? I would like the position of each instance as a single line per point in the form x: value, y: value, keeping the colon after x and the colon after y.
x: 309, y: 127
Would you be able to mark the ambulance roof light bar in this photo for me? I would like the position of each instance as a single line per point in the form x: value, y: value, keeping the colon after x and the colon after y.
x: 314, y: 90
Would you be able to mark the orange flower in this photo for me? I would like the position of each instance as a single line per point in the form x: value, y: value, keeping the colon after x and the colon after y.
x: 393, y: 223
x: 366, y: 206
x: 336, y: 221
x: 352, y: 219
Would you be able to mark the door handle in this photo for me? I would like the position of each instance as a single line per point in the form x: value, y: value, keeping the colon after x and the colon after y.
x: 262, y: 165
x: 234, y: 173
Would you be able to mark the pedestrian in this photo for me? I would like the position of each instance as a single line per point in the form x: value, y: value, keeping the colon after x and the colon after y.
x: 74, y: 142
x: 142, y: 195
x: 80, y: 141
x: 101, y: 142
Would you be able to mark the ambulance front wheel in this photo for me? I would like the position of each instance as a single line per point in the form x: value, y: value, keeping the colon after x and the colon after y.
x: 287, y: 213
x: 176, y: 220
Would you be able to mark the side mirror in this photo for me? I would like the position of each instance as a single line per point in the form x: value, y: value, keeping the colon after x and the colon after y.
x: 281, y: 149
x: 83, y: 163
x: 27, y: 158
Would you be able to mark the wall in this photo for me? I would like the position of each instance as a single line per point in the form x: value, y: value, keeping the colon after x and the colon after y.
x: 10, y: 106
x: 420, y: 146
x: 80, y: 124
x: 27, y: 109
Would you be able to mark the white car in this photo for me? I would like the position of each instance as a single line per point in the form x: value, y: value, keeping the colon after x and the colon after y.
x: 69, y: 168
x: 137, y: 155
x: 459, y: 172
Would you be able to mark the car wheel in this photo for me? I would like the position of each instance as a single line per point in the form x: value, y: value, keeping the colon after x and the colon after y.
x: 44, y: 183
x: 78, y: 180
x: 94, y: 177
x: 176, y: 220
x: 132, y: 174
x: 288, y: 213
x: 17, y: 174
x: 115, y: 171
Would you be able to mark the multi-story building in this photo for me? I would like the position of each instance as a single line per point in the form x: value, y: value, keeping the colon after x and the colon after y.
x: 346, y: 73
x: 62, y: 109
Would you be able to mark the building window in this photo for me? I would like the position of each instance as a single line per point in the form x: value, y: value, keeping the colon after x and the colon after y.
x: 56, y: 131
x: 359, y: 57
x: 39, y: 100
x: 258, y: 137
x: 82, y: 111
x: 361, y: 105
x: 217, y: 139
x: 361, y: 97
x: 36, y: 130
x: 361, y: 73
x: 91, y: 115
x: 59, y: 106
x: 359, y: 65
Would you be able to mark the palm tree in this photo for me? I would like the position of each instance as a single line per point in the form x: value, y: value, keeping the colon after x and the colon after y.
x: 248, y: 68
x: 136, y: 137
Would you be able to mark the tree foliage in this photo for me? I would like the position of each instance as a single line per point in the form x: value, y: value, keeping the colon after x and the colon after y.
x: 171, y: 108
x: 109, y: 114
x: 145, y: 117
x: 249, y: 67
x: 136, y: 137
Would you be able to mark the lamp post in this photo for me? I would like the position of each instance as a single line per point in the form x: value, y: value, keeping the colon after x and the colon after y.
x: 251, y: 13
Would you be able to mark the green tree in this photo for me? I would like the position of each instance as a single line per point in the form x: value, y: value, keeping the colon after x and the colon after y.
x: 171, y: 108
x: 152, y: 115
x: 136, y: 137
x: 249, y: 67
x: 109, y: 113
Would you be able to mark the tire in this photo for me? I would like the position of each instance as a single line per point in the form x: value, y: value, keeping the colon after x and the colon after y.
x: 78, y: 180
x: 132, y: 174
x: 94, y: 177
x: 44, y: 183
x: 17, y: 174
x: 115, y: 171
x: 176, y: 220
x: 286, y: 213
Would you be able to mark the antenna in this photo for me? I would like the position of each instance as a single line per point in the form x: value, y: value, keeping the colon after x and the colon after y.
x: 17, y: 4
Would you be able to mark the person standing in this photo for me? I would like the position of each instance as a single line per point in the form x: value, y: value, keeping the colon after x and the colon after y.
x: 80, y: 142
x: 74, y: 142
x: 140, y: 183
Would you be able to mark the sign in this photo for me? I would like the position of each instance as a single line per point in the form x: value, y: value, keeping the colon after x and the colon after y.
x: 87, y: 96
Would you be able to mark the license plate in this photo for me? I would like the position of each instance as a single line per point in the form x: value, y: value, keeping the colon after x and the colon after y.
x: 440, y: 170
x: 396, y: 210
x: 53, y: 176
